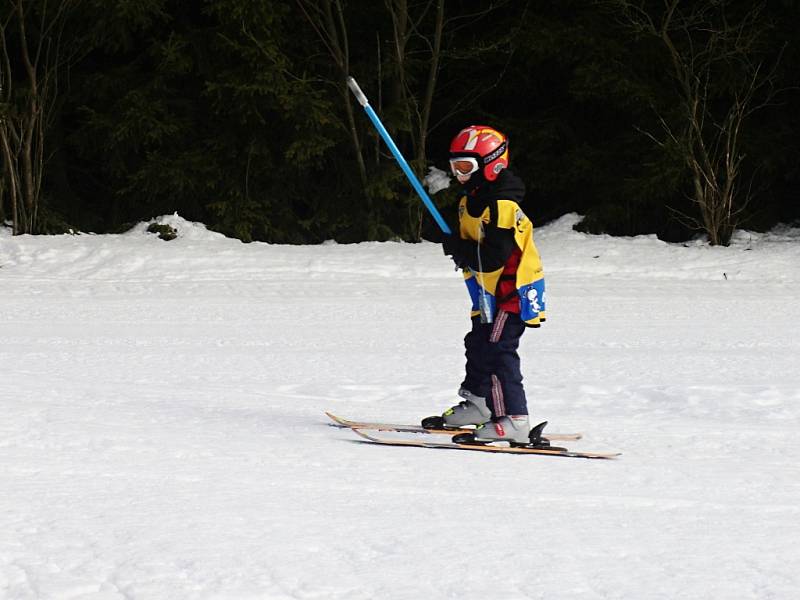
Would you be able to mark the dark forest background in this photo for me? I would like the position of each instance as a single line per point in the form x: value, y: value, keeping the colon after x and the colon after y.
x: 663, y: 116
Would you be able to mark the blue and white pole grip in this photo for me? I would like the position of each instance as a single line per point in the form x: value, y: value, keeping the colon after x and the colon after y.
x: 362, y: 100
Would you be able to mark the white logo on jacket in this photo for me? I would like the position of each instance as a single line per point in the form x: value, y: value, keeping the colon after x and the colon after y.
x: 533, y: 298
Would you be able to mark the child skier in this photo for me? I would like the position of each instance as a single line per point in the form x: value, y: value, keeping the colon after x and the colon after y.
x: 503, y: 272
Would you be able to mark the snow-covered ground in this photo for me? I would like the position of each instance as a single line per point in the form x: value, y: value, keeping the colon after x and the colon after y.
x: 162, y: 433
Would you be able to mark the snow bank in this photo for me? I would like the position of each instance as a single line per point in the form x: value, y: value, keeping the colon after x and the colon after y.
x: 773, y: 256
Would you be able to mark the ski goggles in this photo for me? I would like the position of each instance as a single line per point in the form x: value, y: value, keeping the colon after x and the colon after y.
x: 463, y: 166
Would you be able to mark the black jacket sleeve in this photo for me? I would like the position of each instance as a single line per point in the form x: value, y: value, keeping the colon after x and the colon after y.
x: 496, y: 247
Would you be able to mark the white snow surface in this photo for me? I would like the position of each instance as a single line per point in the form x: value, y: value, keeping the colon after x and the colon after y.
x: 162, y: 431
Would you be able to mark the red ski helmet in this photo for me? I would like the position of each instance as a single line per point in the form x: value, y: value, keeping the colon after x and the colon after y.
x: 481, y: 146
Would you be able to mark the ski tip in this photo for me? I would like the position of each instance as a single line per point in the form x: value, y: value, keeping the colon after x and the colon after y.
x: 335, y: 419
x: 360, y: 433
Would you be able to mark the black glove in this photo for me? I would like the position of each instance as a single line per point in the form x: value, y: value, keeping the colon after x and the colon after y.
x: 452, y: 246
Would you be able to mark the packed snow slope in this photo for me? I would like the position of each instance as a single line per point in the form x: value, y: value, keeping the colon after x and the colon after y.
x: 162, y: 432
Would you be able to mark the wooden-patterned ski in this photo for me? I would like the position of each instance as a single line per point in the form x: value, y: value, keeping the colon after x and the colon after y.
x: 487, y: 448
x: 346, y: 423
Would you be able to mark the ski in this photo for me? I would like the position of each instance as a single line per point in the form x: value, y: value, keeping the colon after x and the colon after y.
x: 485, y: 447
x: 401, y: 428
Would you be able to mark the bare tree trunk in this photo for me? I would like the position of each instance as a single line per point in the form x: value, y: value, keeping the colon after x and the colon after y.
x: 398, y: 11
x: 332, y: 30
x: 427, y: 103
x: 337, y: 30
x: 26, y: 116
x: 416, y: 107
x: 30, y: 200
x: 8, y: 134
x: 430, y: 88
x: 11, y: 176
x: 709, y: 137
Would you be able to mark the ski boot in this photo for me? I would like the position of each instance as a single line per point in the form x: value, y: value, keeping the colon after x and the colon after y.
x: 515, y: 429
x: 472, y: 410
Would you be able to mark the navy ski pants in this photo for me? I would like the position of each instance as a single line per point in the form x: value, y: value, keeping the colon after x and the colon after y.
x: 493, y: 370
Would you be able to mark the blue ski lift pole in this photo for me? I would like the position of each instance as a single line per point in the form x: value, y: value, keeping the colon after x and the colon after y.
x: 362, y: 100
